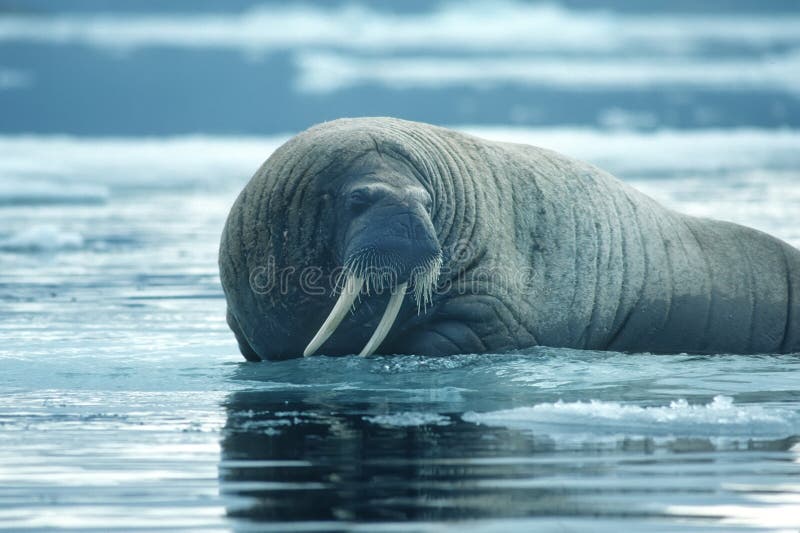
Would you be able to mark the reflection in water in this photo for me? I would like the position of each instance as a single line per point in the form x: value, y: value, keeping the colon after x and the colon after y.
x: 299, y: 456
x: 334, y: 455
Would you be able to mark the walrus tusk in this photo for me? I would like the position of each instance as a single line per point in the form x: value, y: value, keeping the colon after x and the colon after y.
x: 387, y: 320
x: 352, y: 288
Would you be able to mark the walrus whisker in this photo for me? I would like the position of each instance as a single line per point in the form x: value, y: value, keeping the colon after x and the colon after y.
x: 351, y: 290
x: 424, y: 281
x: 387, y: 320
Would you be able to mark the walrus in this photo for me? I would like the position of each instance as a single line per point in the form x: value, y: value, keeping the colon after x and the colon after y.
x: 380, y: 235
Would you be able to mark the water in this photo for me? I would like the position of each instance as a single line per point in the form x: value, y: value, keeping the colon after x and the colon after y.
x: 124, y: 404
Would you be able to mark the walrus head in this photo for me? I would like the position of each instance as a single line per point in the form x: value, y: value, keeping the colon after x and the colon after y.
x: 385, y: 241
x: 331, y: 236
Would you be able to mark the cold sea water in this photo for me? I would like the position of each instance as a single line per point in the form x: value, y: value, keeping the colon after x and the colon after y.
x: 124, y: 404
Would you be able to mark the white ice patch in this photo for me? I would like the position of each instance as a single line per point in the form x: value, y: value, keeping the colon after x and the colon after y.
x: 409, y: 419
x: 720, y: 418
x: 326, y: 72
x: 42, y: 238
x: 74, y: 168
x: 475, y: 26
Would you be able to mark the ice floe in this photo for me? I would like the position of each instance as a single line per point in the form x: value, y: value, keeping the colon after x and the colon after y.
x: 720, y: 417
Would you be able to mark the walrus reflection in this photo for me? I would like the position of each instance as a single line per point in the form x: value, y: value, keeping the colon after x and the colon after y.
x: 312, y: 456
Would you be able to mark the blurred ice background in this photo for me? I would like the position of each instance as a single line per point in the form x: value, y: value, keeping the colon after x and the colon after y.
x: 127, y: 129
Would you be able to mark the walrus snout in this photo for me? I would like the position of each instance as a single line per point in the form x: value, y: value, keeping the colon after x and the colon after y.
x: 390, y: 244
x: 390, y: 238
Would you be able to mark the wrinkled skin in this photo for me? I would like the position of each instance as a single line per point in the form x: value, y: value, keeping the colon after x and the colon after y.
x: 535, y: 249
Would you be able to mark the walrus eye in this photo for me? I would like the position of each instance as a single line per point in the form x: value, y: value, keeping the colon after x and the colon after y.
x: 358, y: 201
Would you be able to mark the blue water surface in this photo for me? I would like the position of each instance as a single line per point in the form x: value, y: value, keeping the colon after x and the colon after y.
x: 127, y: 132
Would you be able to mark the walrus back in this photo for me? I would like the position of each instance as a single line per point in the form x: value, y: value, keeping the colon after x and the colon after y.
x: 614, y: 269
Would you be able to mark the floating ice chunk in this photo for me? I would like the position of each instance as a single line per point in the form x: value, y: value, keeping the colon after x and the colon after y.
x: 409, y: 419
x: 720, y: 418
